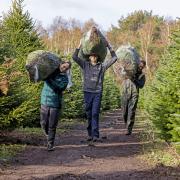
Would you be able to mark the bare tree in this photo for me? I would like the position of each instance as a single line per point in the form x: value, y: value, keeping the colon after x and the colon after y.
x: 146, y: 37
x: 88, y: 24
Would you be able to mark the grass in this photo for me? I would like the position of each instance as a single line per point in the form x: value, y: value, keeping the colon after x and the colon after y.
x: 167, y: 156
x: 29, y: 131
x: 9, y: 151
x: 157, y: 151
x: 64, y: 126
x: 35, y: 131
x: 69, y: 123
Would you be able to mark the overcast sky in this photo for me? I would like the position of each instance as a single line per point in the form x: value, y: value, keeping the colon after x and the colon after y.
x: 104, y: 12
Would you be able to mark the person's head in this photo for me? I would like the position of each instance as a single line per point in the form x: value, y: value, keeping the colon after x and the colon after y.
x: 94, y: 28
x: 93, y: 58
x: 142, y: 65
x: 64, y: 66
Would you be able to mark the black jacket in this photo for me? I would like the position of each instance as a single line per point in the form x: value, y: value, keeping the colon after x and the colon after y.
x: 139, y: 79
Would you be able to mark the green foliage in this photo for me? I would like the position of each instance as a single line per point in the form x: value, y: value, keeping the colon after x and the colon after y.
x: 73, y: 101
x: 19, y: 33
x: 2, y: 49
x: 134, y: 21
x: 8, y: 103
x: 111, y: 94
x: 162, y: 96
x: 27, y: 112
x: 157, y: 150
x: 8, y: 151
x: 20, y: 107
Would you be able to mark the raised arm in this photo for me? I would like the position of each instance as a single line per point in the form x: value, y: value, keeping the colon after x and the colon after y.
x: 75, y: 57
x: 113, y: 59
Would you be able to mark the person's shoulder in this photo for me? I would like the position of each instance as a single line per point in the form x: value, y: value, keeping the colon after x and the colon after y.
x: 86, y: 61
x: 61, y: 76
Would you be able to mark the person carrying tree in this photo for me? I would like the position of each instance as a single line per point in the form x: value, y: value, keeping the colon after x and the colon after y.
x: 130, y: 94
x: 51, y: 98
x: 93, y: 76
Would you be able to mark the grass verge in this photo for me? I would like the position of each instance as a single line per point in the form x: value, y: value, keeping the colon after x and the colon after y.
x: 64, y: 126
x: 156, y: 151
x: 9, y: 151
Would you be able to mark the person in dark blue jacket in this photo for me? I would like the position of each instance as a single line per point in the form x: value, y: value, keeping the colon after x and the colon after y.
x: 130, y: 95
x: 51, y: 98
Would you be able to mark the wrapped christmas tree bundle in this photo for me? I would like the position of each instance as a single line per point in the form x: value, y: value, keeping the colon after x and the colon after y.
x: 93, y: 42
x: 128, y: 60
x: 40, y: 64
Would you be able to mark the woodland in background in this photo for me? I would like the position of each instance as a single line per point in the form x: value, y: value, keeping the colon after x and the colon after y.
x: 157, y: 40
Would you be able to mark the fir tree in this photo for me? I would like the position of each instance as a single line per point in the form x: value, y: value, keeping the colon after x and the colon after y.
x: 21, y: 105
x: 19, y: 33
x: 162, y: 99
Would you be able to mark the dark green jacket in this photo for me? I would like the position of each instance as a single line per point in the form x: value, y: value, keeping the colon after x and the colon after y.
x: 51, y: 95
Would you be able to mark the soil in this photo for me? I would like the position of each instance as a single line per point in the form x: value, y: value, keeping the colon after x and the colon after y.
x: 117, y: 157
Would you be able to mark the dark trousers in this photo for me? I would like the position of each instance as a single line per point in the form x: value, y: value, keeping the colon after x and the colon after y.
x: 92, y: 108
x: 49, y: 120
x: 129, y: 103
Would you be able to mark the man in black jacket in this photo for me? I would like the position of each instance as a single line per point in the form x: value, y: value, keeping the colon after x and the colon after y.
x: 130, y: 94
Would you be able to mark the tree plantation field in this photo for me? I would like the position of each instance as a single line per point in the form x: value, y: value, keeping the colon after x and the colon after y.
x: 156, y: 141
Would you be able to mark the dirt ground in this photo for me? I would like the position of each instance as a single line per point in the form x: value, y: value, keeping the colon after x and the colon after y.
x: 116, y: 158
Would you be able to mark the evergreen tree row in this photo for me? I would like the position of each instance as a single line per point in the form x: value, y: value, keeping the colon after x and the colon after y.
x: 20, y: 99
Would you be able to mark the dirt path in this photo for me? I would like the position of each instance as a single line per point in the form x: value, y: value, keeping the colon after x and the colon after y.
x: 116, y: 158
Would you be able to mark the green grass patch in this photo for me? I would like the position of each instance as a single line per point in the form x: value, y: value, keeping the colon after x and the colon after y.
x: 157, y: 151
x: 160, y: 153
x: 9, y: 151
x: 176, y: 146
x: 70, y: 123
x: 63, y: 126
x: 36, y: 131
x: 29, y: 130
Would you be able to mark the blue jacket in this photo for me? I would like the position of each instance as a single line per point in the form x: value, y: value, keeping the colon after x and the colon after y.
x: 51, y: 95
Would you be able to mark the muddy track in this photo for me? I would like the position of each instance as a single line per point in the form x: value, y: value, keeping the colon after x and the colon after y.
x: 117, y: 157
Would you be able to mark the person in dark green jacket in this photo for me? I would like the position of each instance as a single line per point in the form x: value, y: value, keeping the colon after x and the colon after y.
x: 130, y: 95
x: 51, y: 98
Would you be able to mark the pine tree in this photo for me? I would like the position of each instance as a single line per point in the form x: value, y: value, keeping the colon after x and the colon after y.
x: 21, y: 105
x: 162, y: 99
x: 111, y: 93
x: 19, y: 33
x: 2, y: 48
x: 73, y: 101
